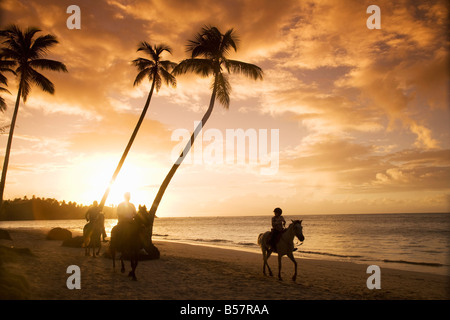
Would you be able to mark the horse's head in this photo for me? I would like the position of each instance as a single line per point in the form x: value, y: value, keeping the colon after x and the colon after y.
x: 298, y: 229
x: 142, y: 216
x: 142, y: 209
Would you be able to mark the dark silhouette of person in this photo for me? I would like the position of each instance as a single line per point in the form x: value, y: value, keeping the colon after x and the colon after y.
x: 126, y: 210
x: 93, y: 212
x: 278, y: 225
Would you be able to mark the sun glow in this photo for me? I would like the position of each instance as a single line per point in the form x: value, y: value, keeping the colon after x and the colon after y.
x: 94, y: 174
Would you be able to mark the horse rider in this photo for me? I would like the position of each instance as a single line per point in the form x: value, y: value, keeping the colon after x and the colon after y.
x: 93, y: 214
x: 278, y: 227
x: 278, y: 224
x: 126, y: 210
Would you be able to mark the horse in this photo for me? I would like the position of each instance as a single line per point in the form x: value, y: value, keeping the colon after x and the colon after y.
x: 285, y: 246
x: 92, y: 232
x: 129, y: 238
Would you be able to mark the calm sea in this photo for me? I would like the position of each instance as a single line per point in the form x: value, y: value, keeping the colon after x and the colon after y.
x: 418, y: 242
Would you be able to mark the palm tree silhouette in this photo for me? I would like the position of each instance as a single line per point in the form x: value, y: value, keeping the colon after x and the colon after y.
x: 213, y: 47
x: 21, y: 48
x: 156, y: 70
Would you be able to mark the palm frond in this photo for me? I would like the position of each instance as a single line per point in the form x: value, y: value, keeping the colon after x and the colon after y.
x: 2, y: 105
x: 142, y: 63
x: 6, y: 65
x: 46, y: 64
x: 158, y: 81
x: 141, y: 75
x: 229, y: 40
x: 8, y: 53
x: 223, y: 88
x: 26, y: 88
x: 168, y: 78
x: 247, y: 69
x: 206, y: 43
x: 202, y: 67
x: 2, y: 101
x: 160, y: 48
x: 168, y: 65
x: 42, y: 82
x: 146, y: 47
x: 4, y: 90
x: 42, y: 45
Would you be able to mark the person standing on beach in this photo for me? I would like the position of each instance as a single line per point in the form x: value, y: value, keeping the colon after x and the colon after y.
x: 126, y: 210
x: 278, y: 224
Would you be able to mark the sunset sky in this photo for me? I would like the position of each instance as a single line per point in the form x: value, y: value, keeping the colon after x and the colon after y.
x: 362, y: 115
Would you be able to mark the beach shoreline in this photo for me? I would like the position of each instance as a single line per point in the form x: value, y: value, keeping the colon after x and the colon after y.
x: 196, y: 272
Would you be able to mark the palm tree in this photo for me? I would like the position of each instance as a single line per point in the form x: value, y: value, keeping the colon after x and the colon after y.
x: 156, y: 70
x: 213, y: 47
x: 21, y: 48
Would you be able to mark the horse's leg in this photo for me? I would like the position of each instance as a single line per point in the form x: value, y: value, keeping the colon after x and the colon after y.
x: 123, y: 266
x: 279, y: 266
x: 291, y: 256
x: 134, y: 262
x: 268, y: 253
x: 86, y: 247
x: 264, y: 260
x: 113, y: 255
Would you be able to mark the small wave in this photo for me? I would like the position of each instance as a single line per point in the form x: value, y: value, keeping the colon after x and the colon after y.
x: 160, y: 235
x: 429, y: 264
x: 331, y: 254
x: 249, y: 244
x: 213, y: 240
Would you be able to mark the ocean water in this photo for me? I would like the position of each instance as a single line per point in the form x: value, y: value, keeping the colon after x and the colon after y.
x: 417, y: 242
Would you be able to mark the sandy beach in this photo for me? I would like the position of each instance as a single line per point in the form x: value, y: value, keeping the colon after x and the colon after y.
x: 191, y: 272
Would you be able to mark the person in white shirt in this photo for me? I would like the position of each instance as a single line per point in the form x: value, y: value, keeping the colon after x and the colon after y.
x: 126, y: 210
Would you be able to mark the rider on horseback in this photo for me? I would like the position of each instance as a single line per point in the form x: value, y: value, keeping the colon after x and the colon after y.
x: 278, y: 224
x: 93, y: 212
x: 126, y: 210
x: 278, y: 227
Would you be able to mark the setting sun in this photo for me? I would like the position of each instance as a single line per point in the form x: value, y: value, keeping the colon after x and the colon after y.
x: 98, y: 170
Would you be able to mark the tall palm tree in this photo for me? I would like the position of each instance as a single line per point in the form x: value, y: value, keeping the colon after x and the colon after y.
x: 156, y: 70
x: 208, y: 57
x: 26, y: 51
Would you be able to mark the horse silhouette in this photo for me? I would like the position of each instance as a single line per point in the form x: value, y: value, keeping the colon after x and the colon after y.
x: 285, y: 246
x: 129, y: 238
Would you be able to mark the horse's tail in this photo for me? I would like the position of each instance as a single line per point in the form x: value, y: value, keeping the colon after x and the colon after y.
x: 87, y: 231
x: 260, y: 239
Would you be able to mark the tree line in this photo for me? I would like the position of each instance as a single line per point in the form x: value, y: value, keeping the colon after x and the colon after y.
x: 46, y: 209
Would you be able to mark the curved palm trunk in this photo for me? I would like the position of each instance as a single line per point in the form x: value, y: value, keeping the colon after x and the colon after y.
x: 8, y: 146
x: 180, y: 159
x: 128, y: 147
